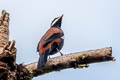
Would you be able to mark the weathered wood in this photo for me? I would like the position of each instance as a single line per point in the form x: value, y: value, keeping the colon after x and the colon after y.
x: 7, y: 50
x: 73, y: 60
x: 4, y: 30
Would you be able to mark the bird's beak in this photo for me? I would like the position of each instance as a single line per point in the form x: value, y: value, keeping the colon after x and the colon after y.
x: 61, y: 16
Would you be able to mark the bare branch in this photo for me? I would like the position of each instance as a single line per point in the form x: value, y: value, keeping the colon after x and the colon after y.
x: 73, y: 60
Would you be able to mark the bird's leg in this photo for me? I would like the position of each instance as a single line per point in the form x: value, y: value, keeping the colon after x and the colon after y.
x: 49, y: 56
x: 59, y: 51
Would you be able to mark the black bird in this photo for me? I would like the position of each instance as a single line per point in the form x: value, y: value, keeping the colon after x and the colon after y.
x: 52, y: 41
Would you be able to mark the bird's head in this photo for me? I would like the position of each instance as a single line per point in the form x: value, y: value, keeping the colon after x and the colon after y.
x: 57, y: 22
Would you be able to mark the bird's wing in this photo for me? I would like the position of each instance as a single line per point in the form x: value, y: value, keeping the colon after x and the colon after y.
x: 51, y: 38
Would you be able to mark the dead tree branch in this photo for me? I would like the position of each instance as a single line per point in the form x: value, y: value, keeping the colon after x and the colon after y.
x: 73, y: 60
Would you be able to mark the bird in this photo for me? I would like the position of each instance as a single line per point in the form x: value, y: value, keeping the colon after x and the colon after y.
x: 51, y: 42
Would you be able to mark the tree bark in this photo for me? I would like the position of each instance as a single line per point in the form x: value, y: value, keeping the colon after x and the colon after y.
x: 72, y: 60
x: 4, y: 30
x: 9, y: 70
x: 7, y: 50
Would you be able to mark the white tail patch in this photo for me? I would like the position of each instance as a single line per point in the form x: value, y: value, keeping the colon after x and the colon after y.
x: 62, y: 37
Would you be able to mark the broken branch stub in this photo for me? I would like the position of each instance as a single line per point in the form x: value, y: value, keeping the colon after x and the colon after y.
x: 4, y: 30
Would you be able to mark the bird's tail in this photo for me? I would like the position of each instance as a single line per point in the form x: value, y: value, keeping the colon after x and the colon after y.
x: 42, y: 60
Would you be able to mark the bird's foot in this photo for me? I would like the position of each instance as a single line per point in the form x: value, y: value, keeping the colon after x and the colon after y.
x: 61, y: 54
